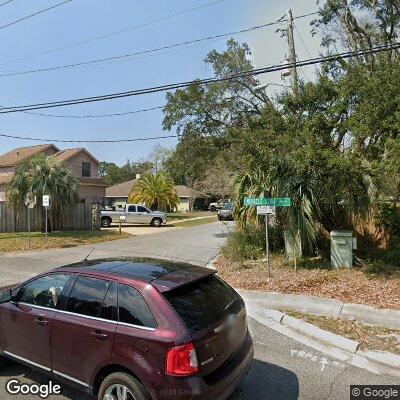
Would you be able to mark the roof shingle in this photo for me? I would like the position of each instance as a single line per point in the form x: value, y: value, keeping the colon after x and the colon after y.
x: 16, y: 156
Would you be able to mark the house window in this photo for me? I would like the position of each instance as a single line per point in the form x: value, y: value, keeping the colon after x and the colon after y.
x: 86, y: 169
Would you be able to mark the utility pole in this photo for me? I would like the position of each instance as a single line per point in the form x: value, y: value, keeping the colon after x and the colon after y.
x: 292, y: 54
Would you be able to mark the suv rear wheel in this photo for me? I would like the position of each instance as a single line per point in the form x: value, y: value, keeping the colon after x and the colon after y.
x: 122, y: 386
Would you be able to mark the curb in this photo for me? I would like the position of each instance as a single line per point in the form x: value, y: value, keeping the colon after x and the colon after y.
x: 324, y: 336
x: 308, y: 329
x: 345, y: 349
x: 325, y: 307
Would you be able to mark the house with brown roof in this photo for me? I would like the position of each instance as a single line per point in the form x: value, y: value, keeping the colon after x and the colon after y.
x: 83, y: 165
x: 190, y: 199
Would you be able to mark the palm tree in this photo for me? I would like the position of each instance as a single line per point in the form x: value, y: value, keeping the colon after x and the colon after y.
x: 319, y: 198
x: 41, y: 175
x: 155, y: 191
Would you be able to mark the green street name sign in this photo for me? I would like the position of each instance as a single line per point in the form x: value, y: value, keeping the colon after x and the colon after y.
x: 264, y: 201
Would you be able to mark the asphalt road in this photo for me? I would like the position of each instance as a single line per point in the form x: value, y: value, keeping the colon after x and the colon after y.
x: 197, y: 245
x: 283, y: 369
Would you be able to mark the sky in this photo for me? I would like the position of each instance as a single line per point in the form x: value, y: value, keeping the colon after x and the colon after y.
x: 78, y: 21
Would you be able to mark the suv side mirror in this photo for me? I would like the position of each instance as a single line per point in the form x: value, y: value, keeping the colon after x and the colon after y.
x: 10, y: 295
x: 14, y: 293
x: 6, y: 296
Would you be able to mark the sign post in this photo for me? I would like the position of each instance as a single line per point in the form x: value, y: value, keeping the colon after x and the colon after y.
x: 30, y: 202
x: 266, y: 210
x: 122, y: 218
x: 46, y: 205
x: 267, y: 206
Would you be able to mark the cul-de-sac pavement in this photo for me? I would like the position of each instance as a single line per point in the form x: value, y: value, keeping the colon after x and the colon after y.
x: 283, y: 368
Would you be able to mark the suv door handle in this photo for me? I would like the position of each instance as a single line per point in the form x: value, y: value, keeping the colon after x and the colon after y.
x: 40, y: 320
x: 98, y: 335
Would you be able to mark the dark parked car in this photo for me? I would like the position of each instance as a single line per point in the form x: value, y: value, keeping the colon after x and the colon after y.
x: 129, y: 329
x: 226, y: 213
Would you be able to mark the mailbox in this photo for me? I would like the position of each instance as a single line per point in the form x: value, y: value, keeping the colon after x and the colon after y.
x: 342, y: 245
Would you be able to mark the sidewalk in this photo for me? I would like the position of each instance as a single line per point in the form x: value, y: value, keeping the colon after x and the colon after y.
x: 324, y: 307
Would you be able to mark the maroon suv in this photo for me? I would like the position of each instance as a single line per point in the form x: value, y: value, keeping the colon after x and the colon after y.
x: 127, y: 329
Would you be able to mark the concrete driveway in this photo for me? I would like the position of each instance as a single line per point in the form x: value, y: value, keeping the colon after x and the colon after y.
x: 197, y: 245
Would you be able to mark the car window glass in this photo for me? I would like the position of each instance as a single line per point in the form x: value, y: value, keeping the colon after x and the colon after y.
x: 203, y: 303
x: 142, y: 209
x: 132, y: 209
x: 44, y: 291
x: 133, y: 309
x: 109, y: 308
x: 87, y: 296
x: 228, y: 206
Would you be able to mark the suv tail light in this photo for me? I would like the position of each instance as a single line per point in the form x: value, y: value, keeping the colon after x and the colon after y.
x: 182, y: 360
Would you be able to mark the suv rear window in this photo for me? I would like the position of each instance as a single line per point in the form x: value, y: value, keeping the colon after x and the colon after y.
x: 204, y: 303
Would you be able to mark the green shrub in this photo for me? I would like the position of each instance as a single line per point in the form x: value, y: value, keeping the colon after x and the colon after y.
x: 387, y: 217
x: 377, y: 267
x: 248, y: 243
x: 313, y: 263
x: 392, y: 255
x: 276, y: 238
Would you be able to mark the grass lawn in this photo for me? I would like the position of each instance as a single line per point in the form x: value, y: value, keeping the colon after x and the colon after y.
x: 195, y: 222
x: 19, y: 241
x: 187, y: 215
x: 370, y: 337
x: 347, y: 285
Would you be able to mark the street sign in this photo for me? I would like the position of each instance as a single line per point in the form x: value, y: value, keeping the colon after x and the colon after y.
x: 266, y: 210
x: 46, y: 200
x: 264, y: 201
x: 30, y: 200
x: 46, y: 205
x: 266, y: 206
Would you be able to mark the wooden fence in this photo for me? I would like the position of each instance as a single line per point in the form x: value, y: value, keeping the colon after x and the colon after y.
x: 76, y: 218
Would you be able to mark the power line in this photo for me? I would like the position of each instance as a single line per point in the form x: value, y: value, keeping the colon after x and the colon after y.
x: 113, y: 114
x: 113, y: 33
x: 172, y: 86
x: 91, y: 115
x: 122, y: 56
x: 89, y: 141
x: 150, y: 51
x: 34, y: 14
x: 5, y: 2
x: 304, y: 46
x: 96, y: 115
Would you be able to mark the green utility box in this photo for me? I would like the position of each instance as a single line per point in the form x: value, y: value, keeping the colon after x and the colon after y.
x: 342, y: 245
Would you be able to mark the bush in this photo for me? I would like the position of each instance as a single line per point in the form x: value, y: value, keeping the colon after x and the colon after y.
x: 313, y: 263
x: 248, y: 243
x: 387, y: 217
x: 392, y: 255
x: 378, y: 267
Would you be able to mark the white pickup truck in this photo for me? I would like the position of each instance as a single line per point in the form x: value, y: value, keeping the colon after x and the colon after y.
x: 133, y: 214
